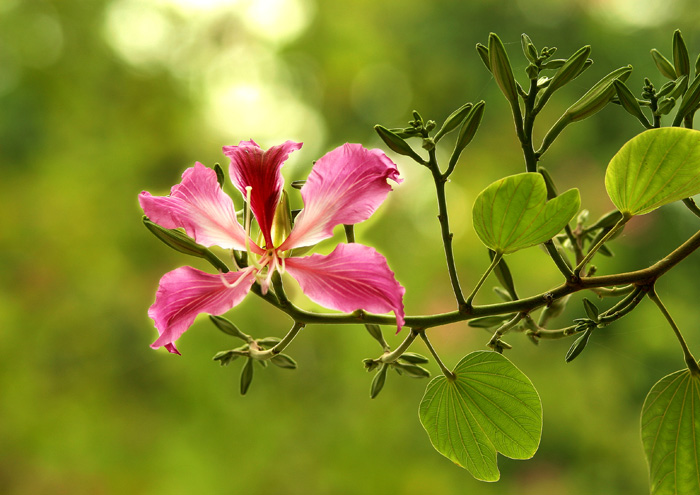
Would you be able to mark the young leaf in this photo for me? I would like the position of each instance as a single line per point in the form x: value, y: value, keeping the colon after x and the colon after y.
x: 513, y: 213
x: 656, y: 167
x: 671, y: 434
x: 490, y: 407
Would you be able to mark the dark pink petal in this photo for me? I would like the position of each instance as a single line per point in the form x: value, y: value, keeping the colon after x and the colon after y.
x: 345, y: 186
x: 261, y: 170
x: 186, y: 292
x: 352, y: 277
x: 199, y: 206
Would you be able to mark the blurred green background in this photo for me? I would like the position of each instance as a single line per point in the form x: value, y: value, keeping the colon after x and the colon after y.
x: 102, y: 99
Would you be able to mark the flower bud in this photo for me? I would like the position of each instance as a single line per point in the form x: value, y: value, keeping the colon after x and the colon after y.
x: 370, y: 364
x: 681, y: 60
x: 553, y: 310
x: 376, y: 332
x: 571, y: 69
x: 184, y: 244
x: 598, y: 96
x: 484, y: 55
x: 663, y: 64
x: 467, y: 131
x: 630, y: 103
x: 413, y: 358
x: 553, y: 64
x: 396, y: 144
x: 225, y: 357
x: 411, y: 370
x: 578, y: 346
x: 665, y: 106
x: 229, y: 328
x: 690, y: 102
x: 268, y: 342
x: 220, y: 177
x: 501, y: 69
x: 591, y: 309
x: 528, y: 48
x: 455, y: 118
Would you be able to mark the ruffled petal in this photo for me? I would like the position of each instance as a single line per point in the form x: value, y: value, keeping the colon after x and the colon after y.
x: 186, y: 292
x: 352, y: 277
x: 345, y: 186
x: 199, y: 206
x: 261, y: 170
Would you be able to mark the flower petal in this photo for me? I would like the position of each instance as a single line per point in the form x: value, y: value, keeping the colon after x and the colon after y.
x: 199, y: 206
x: 352, y: 277
x: 345, y: 186
x: 261, y: 170
x: 186, y: 292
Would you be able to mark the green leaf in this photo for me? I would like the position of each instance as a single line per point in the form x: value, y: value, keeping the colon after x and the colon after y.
x: 513, y: 213
x: 671, y: 434
x: 490, y: 407
x: 656, y: 167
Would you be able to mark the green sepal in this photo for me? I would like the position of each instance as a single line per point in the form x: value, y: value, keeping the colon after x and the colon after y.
x: 591, y: 309
x: 630, y: 103
x: 183, y: 243
x: 378, y: 381
x: 681, y: 59
x: 451, y: 122
x: 229, y: 328
x: 220, y: 177
x: 690, y: 102
x: 246, y: 375
x: 413, y: 358
x: 483, y: 52
x: 284, y: 361
x: 578, y: 346
x: 504, y: 276
x: 501, y: 69
x: 411, y: 370
x: 397, y: 144
x: 468, y: 130
x: 663, y: 64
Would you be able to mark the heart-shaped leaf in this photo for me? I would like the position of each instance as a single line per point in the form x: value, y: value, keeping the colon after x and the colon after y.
x: 654, y: 168
x: 490, y: 407
x: 671, y: 434
x: 513, y: 213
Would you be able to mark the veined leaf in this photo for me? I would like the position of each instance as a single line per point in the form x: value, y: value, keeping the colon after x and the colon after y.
x: 656, y: 167
x: 490, y: 407
x: 513, y: 213
x: 671, y: 434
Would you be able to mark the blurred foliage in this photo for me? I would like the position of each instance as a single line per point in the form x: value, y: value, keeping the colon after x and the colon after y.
x: 99, y: 100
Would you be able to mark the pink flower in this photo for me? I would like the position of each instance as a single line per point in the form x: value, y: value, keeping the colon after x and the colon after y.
x: 344, y: 187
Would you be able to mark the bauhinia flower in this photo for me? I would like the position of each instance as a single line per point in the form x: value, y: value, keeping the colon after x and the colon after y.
x: 345, y: 186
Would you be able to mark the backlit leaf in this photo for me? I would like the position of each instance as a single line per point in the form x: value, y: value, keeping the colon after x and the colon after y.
x: 671, y: 434
x: 656, y: 167
x: 513, y: 213
x: 490, y: 407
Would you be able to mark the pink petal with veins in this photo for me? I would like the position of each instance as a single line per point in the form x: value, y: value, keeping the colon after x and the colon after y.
x: 261, y: 170
x: 199, y: 206
x: 186, y: 292
x: 352, y: 277
x: 345, y: 186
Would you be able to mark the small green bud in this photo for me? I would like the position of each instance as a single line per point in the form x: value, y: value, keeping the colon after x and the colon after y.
x: 690, y: 102
x: 397, y: 144
x: 501, y: 69
x: 268, y: 342
x: 578, y: 346
x: 582, y: 217
x: 663, y: 64
x: 284, y: 361
x: 225, y: 357
x: 549, y: 182
x: 681, y: 60
x: 679, y: 87
x: 569, y: 71
x: 376, y: 332
x: 528, y: 48
x: 229, y: 328
x: 532, y: 72
x: 483, y: 55
x: 630, y: 103
x: 413, y: 358
x: 412, y: 370
x: 182, y: 243
x: 591, y: 309
x: 556, y: 308
x: 666, y: 88
x: 468, y: 130
x: 451, y: 122
x: 665, y: 106
x: 378, y: 381
x: 370, y: 364
x: 246, y: 375
x: 220, y: 177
